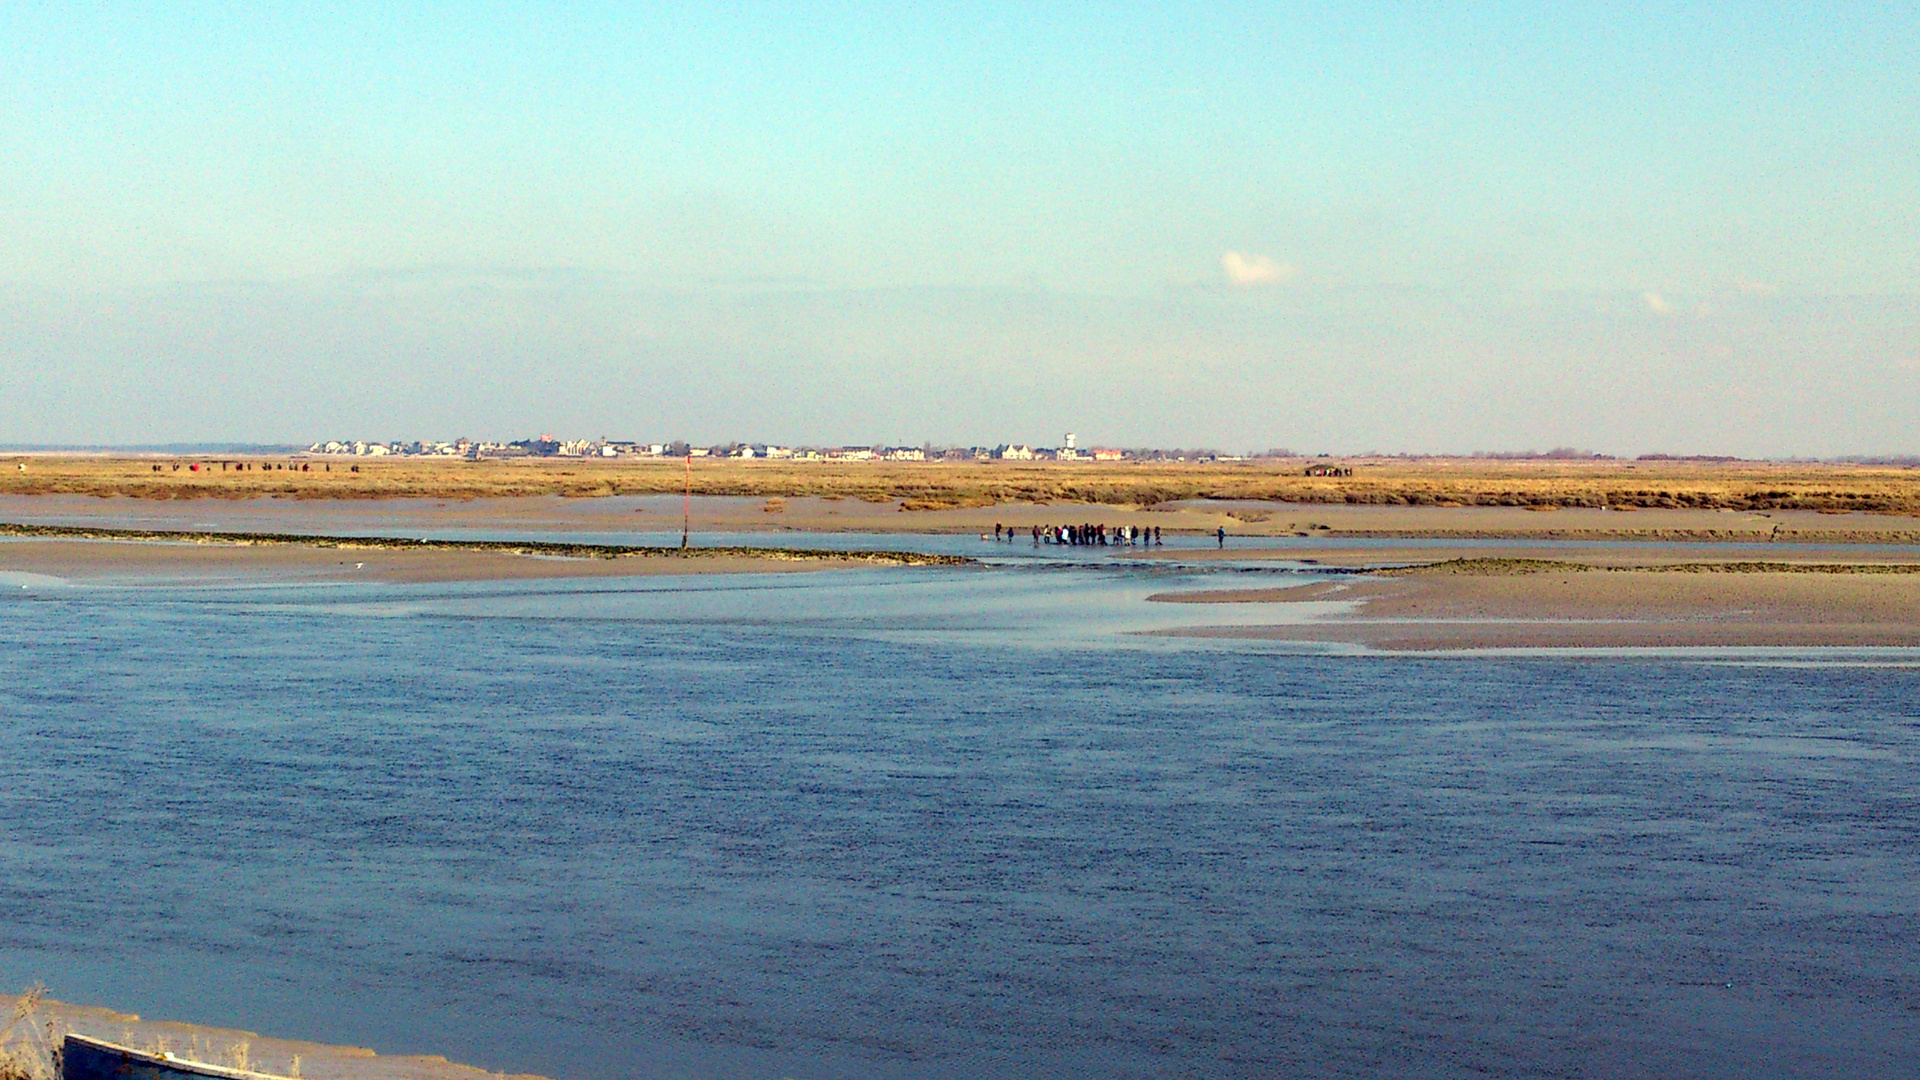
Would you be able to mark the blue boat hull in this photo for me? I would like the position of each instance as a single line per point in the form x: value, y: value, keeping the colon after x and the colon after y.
x: 82, y: 1058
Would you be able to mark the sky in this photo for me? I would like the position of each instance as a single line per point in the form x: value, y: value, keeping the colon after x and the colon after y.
x: 1338, y: 227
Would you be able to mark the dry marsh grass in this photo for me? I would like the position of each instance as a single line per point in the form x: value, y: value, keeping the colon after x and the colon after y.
x: 1623, y: 485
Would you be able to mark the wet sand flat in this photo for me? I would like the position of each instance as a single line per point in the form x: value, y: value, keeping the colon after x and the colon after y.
x: 1591, y: 608
x: 1625, y: 552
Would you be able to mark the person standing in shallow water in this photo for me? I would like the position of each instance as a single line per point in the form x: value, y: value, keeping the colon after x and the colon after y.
x: 1221, y: 535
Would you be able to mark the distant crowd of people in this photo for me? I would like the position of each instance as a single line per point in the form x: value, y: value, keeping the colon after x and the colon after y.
x: 1091, y: 535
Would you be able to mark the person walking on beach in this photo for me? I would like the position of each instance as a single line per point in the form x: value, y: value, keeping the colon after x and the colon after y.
x: 1221, y: 535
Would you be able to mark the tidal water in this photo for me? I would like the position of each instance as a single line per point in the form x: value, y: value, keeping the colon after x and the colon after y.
x: 945, y: 824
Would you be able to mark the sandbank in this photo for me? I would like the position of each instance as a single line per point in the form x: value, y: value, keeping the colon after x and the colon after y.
x: 1574, y: 606
x: 93, y: 560
x: 100, y: 552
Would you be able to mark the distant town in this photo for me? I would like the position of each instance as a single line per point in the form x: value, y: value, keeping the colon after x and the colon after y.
x: 550, y: 446
x: 1068, y: 450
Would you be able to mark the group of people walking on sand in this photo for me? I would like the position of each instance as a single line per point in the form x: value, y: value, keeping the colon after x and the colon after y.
x: 1094, y: 535
x: 1091, y: 535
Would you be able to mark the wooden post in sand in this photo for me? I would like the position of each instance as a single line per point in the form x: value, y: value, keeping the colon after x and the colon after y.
x: 686, y: 520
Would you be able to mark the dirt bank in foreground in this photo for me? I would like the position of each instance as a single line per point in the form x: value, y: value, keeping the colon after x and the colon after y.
x: 230, y: 1047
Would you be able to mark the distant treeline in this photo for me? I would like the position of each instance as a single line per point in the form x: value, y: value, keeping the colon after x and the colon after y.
x: 1902, y: 460
x: 1558, y: 453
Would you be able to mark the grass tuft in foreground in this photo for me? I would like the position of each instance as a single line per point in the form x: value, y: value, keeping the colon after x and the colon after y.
x: 26, y: 1050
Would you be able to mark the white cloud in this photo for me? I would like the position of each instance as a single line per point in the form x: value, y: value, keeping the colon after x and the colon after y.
x: 1249, y: 270
x: 1755, y: 288
x: 1657, y: 303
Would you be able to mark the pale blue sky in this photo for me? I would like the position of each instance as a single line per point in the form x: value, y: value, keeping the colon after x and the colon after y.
x: 1335, y: 227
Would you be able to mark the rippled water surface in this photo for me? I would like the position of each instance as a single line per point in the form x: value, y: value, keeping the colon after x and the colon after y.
x: 944, y: 824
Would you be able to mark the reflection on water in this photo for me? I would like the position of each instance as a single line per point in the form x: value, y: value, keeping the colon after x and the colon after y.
x: 1073, y: 607
x: 885, y: 824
